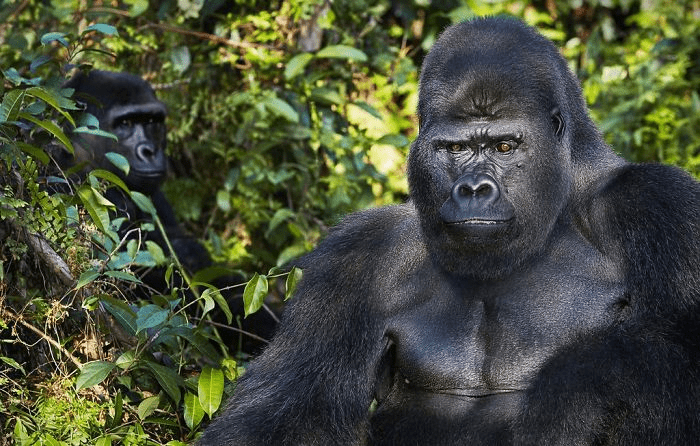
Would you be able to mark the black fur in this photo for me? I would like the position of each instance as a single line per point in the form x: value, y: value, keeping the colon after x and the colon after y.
x: 537, y: 289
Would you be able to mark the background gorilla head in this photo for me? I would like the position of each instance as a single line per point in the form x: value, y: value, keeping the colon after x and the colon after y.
x: 504, y: 140
x: 126, y: 106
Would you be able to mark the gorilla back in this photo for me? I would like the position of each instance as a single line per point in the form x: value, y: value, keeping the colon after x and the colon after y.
x: 537, y: 289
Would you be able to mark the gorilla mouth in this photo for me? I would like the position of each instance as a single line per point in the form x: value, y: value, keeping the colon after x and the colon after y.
x: 149, y: 173
x: 479, y: 222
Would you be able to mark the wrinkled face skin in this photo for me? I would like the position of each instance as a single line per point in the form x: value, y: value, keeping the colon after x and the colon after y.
x: 125, y: 106
x: 489, y: 173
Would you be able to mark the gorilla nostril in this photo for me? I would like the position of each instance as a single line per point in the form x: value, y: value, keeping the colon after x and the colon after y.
x: 483, y: 189
x: 145, y: 152
x: 477, y: 187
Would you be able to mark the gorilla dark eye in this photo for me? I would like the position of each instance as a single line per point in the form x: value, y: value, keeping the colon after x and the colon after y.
x: 456, y: 147
x: 124, y: 123
x: 504, y: 147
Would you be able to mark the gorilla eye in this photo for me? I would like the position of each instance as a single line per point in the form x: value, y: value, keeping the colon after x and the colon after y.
x: 124, y: 123
x: 504, y: 147
x: 456, y: 147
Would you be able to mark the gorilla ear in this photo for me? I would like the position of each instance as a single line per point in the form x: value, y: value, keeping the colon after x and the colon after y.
x: 558, y: 122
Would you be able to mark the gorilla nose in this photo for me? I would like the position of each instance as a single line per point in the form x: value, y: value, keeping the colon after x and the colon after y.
x: 481, y: 187
x: 145, y: 152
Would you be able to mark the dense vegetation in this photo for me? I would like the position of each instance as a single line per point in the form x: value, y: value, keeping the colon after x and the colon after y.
x: 282, y: 118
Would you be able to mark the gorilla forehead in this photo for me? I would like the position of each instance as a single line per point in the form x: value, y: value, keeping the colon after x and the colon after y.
x: 489, y: 67
x: 113, y: 90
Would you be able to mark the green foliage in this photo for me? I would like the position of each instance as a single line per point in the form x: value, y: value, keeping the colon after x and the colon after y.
x: 283, y: 117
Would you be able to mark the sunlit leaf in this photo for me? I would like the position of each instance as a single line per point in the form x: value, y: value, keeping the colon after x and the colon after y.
x: 281, y: 108
x: 254, y: 294
x: 342, y: 52
x: 148, y: 406
x: 193, y: 410
x: 296, y: 65
x: 210, y: 389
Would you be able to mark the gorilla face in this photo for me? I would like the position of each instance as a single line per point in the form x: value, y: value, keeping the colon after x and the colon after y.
x: 126, y: 106
x: 490, y: 171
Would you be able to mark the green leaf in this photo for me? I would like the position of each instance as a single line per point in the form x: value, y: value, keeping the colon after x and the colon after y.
x: 111, y: 177
x: 119, y: 161
x: 281, y: 108
x: 137, y: 7
x: 11, y: 104
x: 105, y: 440
x: 143, y: 202
x: 123, y: 275
x: 254, y: 293
x: 54, y: 99
x: 181, y: 58
x: 280, y: 216
x: 223, y: 305
x: 223, y: 200
x: 292, y: 280
x: 148, y: 406
x: 51, y: 128
x: 193, y: 410
x: 150, y: 316
x: 395, y: 140
x: 102, y: 28
x: 156, y: 252
x: 121, y: 312
x: 342, y: 52
x: 54, y: 37
x: 35, y: 152
x: 126, y: 360
x: 208, y: 301
x: 12, y: 363
x: 94, y: 203
x: 210, y: 389
x: 168, y: 380
x: 93, y: 373
x: 86, y: 277
x: 296, y: 65
x: 96, y: 132
x: 369, y: 109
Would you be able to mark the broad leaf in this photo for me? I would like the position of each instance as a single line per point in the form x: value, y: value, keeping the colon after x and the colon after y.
x: 254, y: 294
x: 193, y: 410
x: 342, y: 52
x: 210, y: 389
x: 292, y: 280
x: 93, y: 373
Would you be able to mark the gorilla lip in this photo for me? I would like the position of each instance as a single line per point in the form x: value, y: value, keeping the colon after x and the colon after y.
x: 479, y: 222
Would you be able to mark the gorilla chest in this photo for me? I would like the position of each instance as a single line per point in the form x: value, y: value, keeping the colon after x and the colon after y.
x: 481, y: 338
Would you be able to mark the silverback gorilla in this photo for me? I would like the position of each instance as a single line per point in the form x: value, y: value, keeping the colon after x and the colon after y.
x: 536, y: 290
x: 126, y: 106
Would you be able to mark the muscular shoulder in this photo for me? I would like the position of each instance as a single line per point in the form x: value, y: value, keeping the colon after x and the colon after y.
x: 373, y: 239
x: 648, y: 215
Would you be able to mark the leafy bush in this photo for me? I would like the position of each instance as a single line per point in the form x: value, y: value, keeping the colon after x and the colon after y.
x: 282, y: 117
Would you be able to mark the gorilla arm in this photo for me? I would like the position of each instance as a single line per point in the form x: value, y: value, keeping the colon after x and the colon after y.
x: 315, y: 382
x: 632, y: 383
